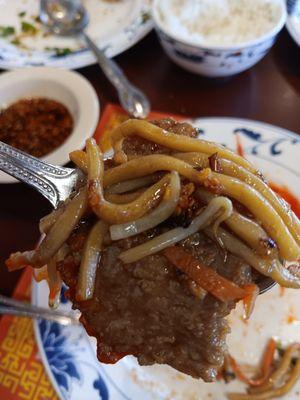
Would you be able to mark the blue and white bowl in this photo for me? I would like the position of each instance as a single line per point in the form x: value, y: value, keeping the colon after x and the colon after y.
x: 215, y: 61
x: 293, y: 19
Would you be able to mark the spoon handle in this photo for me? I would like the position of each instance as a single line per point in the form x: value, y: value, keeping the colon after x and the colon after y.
x: 133, y: 100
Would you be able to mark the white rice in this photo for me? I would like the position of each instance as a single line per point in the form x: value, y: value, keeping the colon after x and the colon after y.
x: 219, y: 22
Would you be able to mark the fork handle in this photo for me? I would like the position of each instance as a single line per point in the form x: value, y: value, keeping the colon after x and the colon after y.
x: 46, y: 314
x: 132, y: 99
x: 49, y: 180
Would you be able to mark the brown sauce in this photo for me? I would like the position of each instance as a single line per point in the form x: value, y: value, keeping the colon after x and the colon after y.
x: 37, y: 126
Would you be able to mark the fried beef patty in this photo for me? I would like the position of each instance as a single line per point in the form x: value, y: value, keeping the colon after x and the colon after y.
x: 149, y: 308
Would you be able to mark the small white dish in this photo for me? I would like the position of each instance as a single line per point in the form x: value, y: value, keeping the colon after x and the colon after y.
x: 67, y: 87
x: 209, y: 59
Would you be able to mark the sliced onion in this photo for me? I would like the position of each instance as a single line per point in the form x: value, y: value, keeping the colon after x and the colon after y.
x: 49, y: 220
x: 89, y: 261
x: 272, y: 268
x: 248, y: 230
x: 218, y: 207
x: 278, y: 375
x: 54, y: 282
x: 61, y: 230
x: 154, y: 218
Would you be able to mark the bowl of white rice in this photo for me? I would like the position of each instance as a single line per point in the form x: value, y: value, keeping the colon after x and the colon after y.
x: 218, y: 38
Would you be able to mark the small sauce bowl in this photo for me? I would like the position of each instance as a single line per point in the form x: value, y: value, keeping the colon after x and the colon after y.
x: 66, y: 87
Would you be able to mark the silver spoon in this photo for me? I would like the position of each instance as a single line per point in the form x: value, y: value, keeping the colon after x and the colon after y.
x: 69, y: 18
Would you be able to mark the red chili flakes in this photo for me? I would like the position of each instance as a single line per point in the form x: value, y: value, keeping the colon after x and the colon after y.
x: 36, y: 126
x: 186, y: 199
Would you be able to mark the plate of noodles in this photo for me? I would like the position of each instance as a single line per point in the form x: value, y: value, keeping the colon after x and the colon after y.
x: 164, y: 250
x: 115, y: 25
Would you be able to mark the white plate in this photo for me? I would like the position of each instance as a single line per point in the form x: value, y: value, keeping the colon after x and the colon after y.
x: 69, y: 354
x: 115, y: 25
x: 67, y: 87
x: 293, y: 19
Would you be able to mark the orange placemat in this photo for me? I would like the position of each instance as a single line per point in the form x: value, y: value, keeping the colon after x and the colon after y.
x: 22, y: 374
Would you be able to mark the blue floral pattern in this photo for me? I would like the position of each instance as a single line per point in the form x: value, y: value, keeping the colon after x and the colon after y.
x: 61, y: 362
x: 61, y: 353
x: 100, y: 385
x: 291, y: 6
x: 63, y: 299
x: 275, y: 145
x: 214, y: 63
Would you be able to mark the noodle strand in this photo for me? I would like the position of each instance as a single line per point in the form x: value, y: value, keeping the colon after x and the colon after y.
x: 170, y: 140
x: 117, y: 213
x: 219, y: 207
x: 61, y: 230
x: 236, y: 171
x: 89, y: 261
x: 160, y: 214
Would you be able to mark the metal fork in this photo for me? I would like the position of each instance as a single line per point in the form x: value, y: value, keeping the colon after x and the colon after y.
x: 53, y: 182
x: 56, y: 183
x: 23, y: 309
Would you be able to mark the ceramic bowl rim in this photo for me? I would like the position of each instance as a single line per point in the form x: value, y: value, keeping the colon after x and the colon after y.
x: 240, y: 46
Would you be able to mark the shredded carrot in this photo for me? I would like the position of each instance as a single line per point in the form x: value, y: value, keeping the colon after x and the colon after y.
x: 239, y: 146
x: 40, y: 274
x: 19, y: 260
x: 265, y: 366
x: 54, y: 291
x: 288, y: 196
x: 281, y: 291
x: 250, y: 299
x: 220, y: 287
x: 12, y: 266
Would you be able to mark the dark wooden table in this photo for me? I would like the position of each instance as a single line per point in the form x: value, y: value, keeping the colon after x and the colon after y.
x: 268, y: 92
